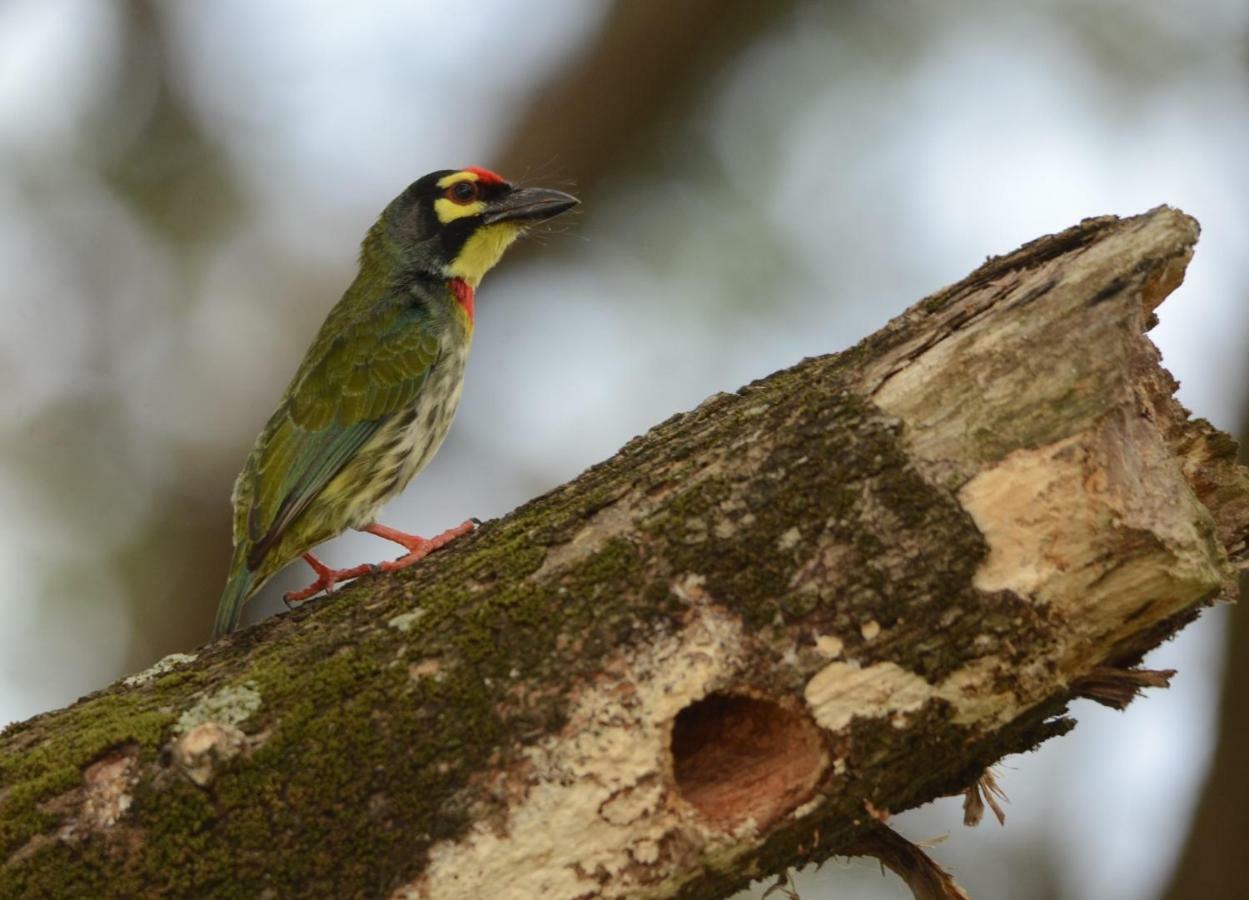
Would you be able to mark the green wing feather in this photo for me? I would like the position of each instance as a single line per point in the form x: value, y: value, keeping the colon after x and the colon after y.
x: 359, y: 373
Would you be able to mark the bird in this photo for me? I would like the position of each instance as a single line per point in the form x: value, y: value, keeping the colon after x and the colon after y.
x: 374, y: 396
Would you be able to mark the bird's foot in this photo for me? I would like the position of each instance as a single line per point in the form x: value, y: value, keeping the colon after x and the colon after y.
x: 418, y: 547
x: 326, y: 579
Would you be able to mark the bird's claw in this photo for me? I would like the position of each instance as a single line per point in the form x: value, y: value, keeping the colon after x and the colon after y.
x: 418, y: 548
x: 325, y: 581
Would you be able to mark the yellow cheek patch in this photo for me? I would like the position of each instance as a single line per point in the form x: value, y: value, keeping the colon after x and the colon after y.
x: 448, y: 210
x: 482, y: 251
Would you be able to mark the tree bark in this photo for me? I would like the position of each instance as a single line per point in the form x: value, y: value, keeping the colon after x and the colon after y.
x: 734, y: 647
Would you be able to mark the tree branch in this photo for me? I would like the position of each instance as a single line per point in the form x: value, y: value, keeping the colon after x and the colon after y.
x: 734, y: 647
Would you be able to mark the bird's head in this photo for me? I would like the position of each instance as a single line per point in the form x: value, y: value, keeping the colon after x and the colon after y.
x: 456, y: 223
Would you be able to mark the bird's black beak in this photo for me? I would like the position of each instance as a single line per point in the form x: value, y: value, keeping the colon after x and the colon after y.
x: 528, y: 205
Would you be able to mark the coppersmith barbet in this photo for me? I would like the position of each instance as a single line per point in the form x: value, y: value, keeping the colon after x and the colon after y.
x: 376, y: 392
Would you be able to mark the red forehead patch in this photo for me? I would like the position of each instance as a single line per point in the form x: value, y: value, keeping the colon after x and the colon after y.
x: 485, y: 175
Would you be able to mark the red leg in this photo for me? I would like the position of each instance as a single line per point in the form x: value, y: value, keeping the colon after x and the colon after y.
x: 418, y: 547
x: 326, y: 579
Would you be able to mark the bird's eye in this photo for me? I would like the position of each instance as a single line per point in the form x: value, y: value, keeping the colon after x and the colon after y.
x: 463, y: 192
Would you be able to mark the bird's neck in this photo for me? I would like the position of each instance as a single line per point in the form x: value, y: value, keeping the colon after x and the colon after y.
x: 383, y: 261
x: 387, y: 264
x: 383, y: 254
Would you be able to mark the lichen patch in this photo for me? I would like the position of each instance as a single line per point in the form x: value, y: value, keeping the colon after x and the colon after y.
x: 232, y: 705
x: 404, y: 621
x: 160, y: 667
x: 209, y: 733
x: 789, y: 539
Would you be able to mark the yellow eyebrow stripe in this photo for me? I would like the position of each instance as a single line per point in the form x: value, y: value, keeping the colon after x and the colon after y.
x: 456, y: 177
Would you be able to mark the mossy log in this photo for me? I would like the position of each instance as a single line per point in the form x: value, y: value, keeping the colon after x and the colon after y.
x: 734, y: 647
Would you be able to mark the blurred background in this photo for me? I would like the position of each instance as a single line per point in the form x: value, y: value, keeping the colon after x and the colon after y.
x: 183, y: 187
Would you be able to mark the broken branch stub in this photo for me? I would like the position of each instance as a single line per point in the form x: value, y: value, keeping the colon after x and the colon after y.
x: 734, y: 647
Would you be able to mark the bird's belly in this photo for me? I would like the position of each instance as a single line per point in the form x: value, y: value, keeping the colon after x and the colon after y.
x: 402, y: 447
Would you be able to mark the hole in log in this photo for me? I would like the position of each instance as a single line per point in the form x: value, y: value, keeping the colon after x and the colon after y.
x: 738, y: 757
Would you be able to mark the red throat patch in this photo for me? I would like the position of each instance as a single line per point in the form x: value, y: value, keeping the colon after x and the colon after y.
x: 484, y: 175
x: 464, y: 294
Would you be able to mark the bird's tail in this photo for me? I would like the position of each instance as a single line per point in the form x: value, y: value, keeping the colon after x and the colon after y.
x: 230, y: 607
